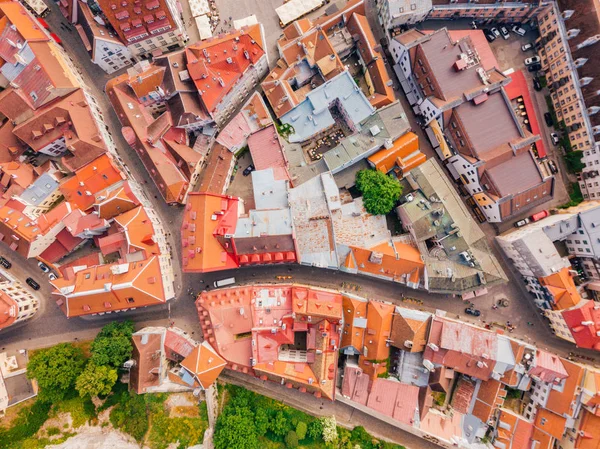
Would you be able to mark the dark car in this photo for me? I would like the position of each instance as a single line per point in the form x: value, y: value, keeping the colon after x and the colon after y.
x: 249, y: 169
x: 34, y: 285
x: 553, y: 167
x: 491, y: 37
x: 5, y: 263
x: 472, y: 311
x: 534, y: 67
x: 548, y: 119
x: 536, y: 84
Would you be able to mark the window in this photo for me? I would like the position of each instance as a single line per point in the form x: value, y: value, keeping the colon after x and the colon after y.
x: 130, y: 300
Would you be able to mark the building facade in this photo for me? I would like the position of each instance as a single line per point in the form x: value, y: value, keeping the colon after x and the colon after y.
x: 16, y: 303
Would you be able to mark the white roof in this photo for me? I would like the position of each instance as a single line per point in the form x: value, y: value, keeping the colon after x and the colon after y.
x: 203, y: 25
x: 294, y: 9
x: 199, y: 7
x: 246, y: 21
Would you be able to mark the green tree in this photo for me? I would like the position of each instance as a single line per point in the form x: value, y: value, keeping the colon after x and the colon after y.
x: 112, y: 346
x: 301, y: 429
x: 56, y: 370
x: 291, y: 440
x: 236, y: 430
x: 573, y: 161
x: 261, y: 421
x: 315, y: 430
x: 330, y: 433
x: 96, y: 380
x: 279, y: 425
x: 380, y: 191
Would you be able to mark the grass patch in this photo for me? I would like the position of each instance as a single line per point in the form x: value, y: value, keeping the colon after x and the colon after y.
x: 82, y: 410
x: 51, y: 431
x: 543, y: 81
x: 26, y: 425
x: 575, y: 195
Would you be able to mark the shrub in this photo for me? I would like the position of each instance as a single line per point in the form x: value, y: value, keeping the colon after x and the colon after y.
x: 279, y: 425
x: 380, y: 191
x: 236, y: 430
x: 28, y: 422
x: 291, y: 440
x: 131, y: 416
x: 573, y: 161
x: 329, y: 429
x: 301, y: 429
x: 315, y: 430
x: 96, y: 380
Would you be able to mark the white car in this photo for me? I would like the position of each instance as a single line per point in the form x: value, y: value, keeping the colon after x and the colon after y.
x: 533, y: 60
x: 518, y: 30
x: 495, y: 31
x: 555, y: 139
x: 504, y: 32
x: 526, y: 47
x: 52, y: 276
x: 43, y: 267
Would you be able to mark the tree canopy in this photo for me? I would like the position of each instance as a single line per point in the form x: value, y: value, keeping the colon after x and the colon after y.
x: 56, y: 370
x: 96, y: 380
x: 236, y: 430
x: 112, y: 346
x: 380, y: 192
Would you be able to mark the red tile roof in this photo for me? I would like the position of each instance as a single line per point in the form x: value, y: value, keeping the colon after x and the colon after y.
x: 267, y: 152
x: 548, y: 367
x: 216, y: 65
x: 583, y: 321
x: 397, y: 400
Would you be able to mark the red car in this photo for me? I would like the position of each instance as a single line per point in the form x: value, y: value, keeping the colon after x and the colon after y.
x: 540, y: 215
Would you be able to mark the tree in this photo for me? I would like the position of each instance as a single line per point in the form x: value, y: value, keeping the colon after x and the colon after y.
x: 380, y: 191
x: 301, y: 430
x: 279, y: 425
x: 236, y: 430
x: 56, y: 370
x: 329, y: 429
x: 261, y: 421
x: 315, y: 430
x: 291, y: 440
x: 96, y: 380
x: 112, y: 346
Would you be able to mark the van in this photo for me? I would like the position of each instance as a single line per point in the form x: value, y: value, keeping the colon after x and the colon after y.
x: 224, y: 282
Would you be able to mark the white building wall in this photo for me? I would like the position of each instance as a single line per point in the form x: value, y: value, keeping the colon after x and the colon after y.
x: 28, y: 305
x: 394, y: 13
x: 144, y: 47
x: 55, y: 148
x: 111, y: 56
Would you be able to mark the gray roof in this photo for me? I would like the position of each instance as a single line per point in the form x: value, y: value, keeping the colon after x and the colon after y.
x: 269, y: 193
x: 313, y: 116
x: 516, y: 175
x: 388, y: 124
x: 42, y: 187
x: 463, y: 262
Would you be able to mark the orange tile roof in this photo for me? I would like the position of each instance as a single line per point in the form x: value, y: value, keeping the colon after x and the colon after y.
x: 16, y: 172
x: 563, y: 402
x: 115, y: 200
x: 26, y: 26
x: 205, y: 364
x: 413, y: 327
x: 92, y: 178
x: 550, y: 423
x: 9, y: 310
x: 400, y: 262
x: 589, y: 432
x: 562, y: 288
x: 145, y: 373
x: 380, y: 83
x: 147, y: 81
x: 515, y: 432
x: 354, y: 309
x: 379, y: 325
x: 139, y: 231
x: 216, y: 65
x: 401, y: 154
x: 207, y: 219
x: 108, y: 288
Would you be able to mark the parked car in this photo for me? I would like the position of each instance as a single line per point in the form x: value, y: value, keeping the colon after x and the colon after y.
x: 536, y: 84
x: 504, y: 32
x: 548, y: 119
x: 472, y: 311
x: 249, y: 169
x: 473, y: 25
x: 51, y: 276
x: 5, y: 263
x: 34, y: 285
x: 538, y: 216
x: 491, y: 37
x: 521, y: 223
x: 518, y: 30
x: 534, y: 67
x: 555, y: 138
x: 553, y: 167
x: 496, y: 32
x: 526, y: 47
x: 43, y: 267
x: 533, y: 60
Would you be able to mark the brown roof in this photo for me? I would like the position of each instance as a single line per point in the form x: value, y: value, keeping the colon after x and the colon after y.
x: 145, y: 372
x: 214, y: 177
x: 516, y: 175
x: 410, y: 326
